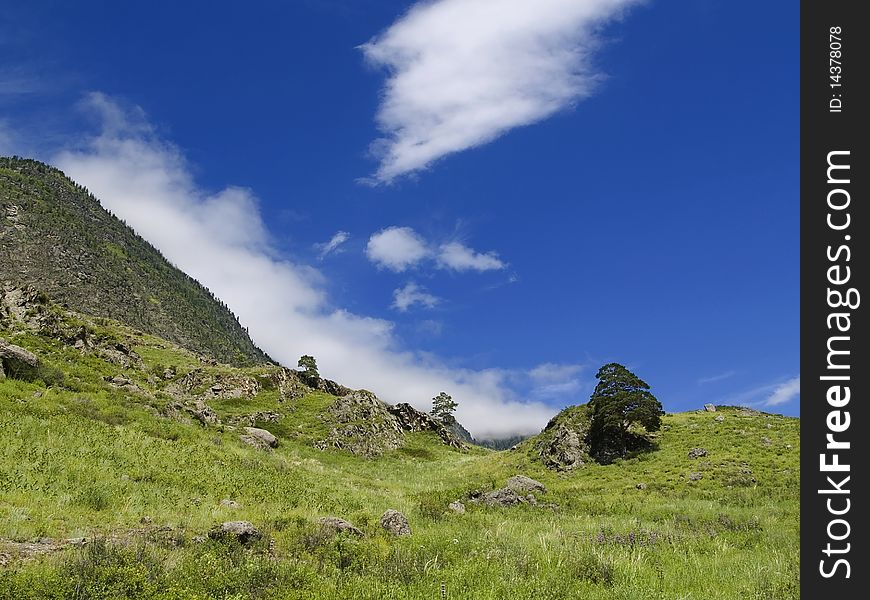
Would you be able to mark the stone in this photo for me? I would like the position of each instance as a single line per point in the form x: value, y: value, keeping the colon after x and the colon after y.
x: 566, y: 450
x: 395, y: 523
x: 523, y: 484
x: 719, y: 418
x: 362, y: 425
x: 695, y: 476
x: 457, y: 507
x: 641, y: 486
x: 227, y: 503
x: 338, y: 525
x: 501, y: 497
x: 710, y: 407
x: 697, y: 452
x: 242, y: 531
x: 16, y: 362
x: 259, y: 438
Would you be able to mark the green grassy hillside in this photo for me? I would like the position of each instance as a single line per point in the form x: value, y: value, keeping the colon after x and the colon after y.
x: 91, y: 448
x: 56, y: 236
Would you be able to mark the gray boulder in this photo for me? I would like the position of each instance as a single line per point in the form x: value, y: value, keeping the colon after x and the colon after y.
x: 524, y: 485
x: 259, y: 438
x: 695, y: 476
x: 338, y: 525
x: 710, y: 407
x: 697, y: 452
x: 501, y: 497
x: 243, y: 532
x: 395, y: 523
x: 457, y: 507
x: 16, y: 362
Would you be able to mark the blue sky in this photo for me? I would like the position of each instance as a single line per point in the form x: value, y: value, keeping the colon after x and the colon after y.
x: 514, y: 195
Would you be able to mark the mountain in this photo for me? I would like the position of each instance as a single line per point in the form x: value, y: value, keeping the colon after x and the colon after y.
x: 56, y: 236
x: 133, y: 468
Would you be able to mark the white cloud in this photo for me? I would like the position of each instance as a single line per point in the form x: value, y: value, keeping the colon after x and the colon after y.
x: 459, y: 257
x: 557, y: 382
x: 333, y: 245
x: 463, y: 72
x: 400, y: 248
x: 715, y: 378
x: 406, y: 297
x: 554, y: 373
x: 396, y: 248
x: 785, y: 392
x: 767, y: 395
x: 220, y: 240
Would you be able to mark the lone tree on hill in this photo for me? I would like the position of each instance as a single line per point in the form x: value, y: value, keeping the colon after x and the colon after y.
x: 443, y: 407
x: 310, y: 365
x: 620, y: 400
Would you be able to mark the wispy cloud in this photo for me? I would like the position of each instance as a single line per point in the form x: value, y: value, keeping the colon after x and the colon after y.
x: 401, y: 248
x: 333, y: 245
x: 766, y: 395
x: 221, y: 240
x: 464, y: 72
x: 785, y: 392
x: 715, y: 378
x: 557, y: 382
x: 406, y: 297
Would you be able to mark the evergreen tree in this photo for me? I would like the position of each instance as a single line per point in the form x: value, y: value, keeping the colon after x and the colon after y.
x: 443, y: 407
x: 621, y: 400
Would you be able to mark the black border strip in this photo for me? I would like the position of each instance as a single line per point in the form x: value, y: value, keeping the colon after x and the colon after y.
x: 834, y: 261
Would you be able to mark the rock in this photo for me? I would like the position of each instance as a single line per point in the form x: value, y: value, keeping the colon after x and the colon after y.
x: 395, y: 523
x: 242, y: 531
x: 457, y: 507
x: 719, y: 418
x: 197, y: 409
x: 330, y: 387
x: 641, y: 486
x: 697, y: 452
x: 362, y: 425
x: 695, y: 476
x: 5, y: 559
x: 501, y: 497
x: 227, y: 503
x: 412, y: 420
x: 120, y: 381
x: 169, y: 372
x: 259, y: 438
x: 562, y: 444
x: 16, y: 362
x: 710, y: 407
x: 523, y: 484
x: 766, y: 441
x: 338, y: 525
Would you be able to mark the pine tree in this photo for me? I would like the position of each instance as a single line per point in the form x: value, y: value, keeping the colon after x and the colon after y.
x: 443, y: 407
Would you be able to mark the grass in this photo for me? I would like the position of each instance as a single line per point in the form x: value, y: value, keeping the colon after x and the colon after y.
x: 85, y: 459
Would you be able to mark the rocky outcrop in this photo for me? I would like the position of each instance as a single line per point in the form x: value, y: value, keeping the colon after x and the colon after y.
x: 330, y: 387
x: 259, y: 438
x: 243, y: 532
x: 524, y: 485
x: 395, y: 523
x: 412, y: 420
x: 710, y: 407
x: 197, y: 409
x: 563, y: 445
x: 16, y: 362
x: 363, y: 425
